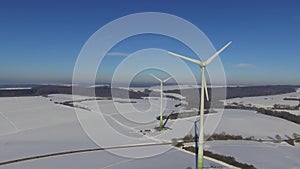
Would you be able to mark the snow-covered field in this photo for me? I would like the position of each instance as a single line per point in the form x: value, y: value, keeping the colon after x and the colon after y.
x: 166, y: 87
x: 24, y: 113
x: 249, y: 123
x: 33, y: 126
x: 175, y: 87
x: 269, y: 101
x: 15, y: 88
x: 106, y: 160
x: 261, y: 155
x: 140, y: 114
x: 67, y: 97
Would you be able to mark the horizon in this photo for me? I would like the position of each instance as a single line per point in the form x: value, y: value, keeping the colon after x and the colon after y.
x: 13, y: 85
x: 40, y: 46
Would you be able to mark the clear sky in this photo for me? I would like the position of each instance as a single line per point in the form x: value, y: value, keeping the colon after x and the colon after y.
x: 40, y: 40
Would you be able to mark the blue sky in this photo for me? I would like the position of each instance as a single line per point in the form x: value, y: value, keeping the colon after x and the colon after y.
x: 40, y: 40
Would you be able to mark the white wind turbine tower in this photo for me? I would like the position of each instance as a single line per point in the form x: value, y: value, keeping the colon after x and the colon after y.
x: 203, y: 87
x: 161, y: 97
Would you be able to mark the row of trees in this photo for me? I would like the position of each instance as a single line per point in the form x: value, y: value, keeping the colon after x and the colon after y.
x: 295, y: 138
x: 281, y: 114
x: 216, y: 136
x: 227, y: 159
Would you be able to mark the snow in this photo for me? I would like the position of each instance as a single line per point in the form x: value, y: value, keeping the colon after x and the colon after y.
x: 166, y: 87
x: 178, y: 96
x: 67, y: 97
x: 105, y: 160
x: 261, y: 155
x: 60, y: 84
x: 138, y: 110
x: 6, y: 126
x: 249, y: 123
x: 176, y: 87
x: 16, y: 88
x: 128, y: 117
x: 32, y: 126
x: 269, y: 101
x: 141, y: 115
x: 34, y: 112
x: 44, y: 140
x: 242, y: 122
x: 237, y: 122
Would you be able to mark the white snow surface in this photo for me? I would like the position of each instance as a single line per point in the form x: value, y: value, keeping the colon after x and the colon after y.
x: 103, y: 160
x: 174, y: 87
x: 249, y: 123
x: 269, y: 101
x: 67, y: 97
x: 166, y: 87
x: 15, y: 88
x: 261, y: 155
x: 33, y: 126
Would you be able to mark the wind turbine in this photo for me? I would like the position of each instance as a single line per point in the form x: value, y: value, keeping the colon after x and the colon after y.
x: 203, y: 87
x: 161, y: 97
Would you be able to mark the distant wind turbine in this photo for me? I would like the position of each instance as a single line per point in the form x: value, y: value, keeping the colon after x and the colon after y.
x: 161, y: 97
x: 203, y: 87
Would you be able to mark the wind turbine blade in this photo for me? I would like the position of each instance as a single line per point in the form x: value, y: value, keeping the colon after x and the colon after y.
x: 205, y: 87
x: 167, y: 79
x: 217, y: 53
x: 186, y: 58
x: 156, y: 77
